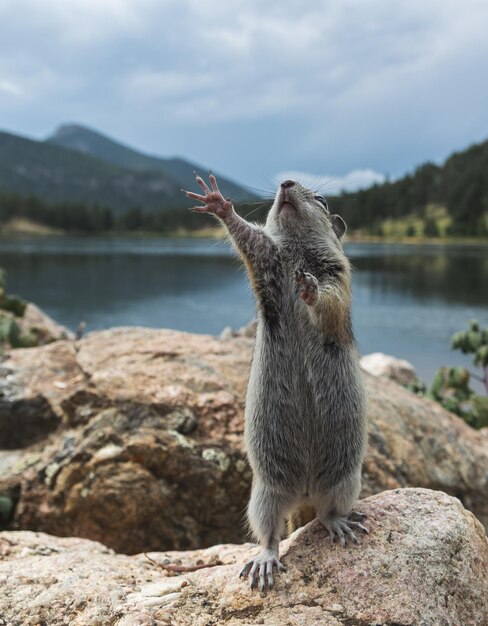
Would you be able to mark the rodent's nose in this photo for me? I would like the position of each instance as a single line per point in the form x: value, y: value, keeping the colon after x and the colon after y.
x: 287, y: 183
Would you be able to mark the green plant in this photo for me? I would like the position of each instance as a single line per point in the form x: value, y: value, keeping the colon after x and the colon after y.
x: 7, y: 302
x: 6, y: 511
x: 11, y: 309
x: 451, y: 385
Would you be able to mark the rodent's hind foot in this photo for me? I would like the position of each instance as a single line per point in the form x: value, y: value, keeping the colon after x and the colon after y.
x: 260, y: 570
x: 341, y: 528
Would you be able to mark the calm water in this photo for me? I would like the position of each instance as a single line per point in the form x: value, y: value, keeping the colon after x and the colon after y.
x: 408, y: 300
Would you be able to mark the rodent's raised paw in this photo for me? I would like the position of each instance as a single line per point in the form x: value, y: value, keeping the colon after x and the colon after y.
x: 213, y: 200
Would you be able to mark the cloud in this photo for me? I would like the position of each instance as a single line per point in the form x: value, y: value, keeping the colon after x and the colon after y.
x: 331, y: 185
x: 10, y: 88
x: 168, y: 84
x: 253, y: 87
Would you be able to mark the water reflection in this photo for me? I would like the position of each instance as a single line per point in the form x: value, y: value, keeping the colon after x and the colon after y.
x: 451, y: 275
x: 408, y: 300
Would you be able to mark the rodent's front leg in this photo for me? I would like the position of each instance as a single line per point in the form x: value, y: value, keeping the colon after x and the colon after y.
x: 249, y: 239
x: 309, y: 286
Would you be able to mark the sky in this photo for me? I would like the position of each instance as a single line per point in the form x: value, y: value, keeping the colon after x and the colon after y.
x: 339, y: 93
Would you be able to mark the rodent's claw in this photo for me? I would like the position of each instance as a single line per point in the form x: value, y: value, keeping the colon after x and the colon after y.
x: 195, y: 196
x: 341, y: 528
x: 356, y: 516
x: 203, y: 184
x: 259, y: 571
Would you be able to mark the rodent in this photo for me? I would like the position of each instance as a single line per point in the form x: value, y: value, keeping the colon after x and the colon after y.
x: 305, y: 417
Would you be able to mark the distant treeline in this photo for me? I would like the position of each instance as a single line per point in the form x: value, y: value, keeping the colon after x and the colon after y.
x: 460, y: 186
x: 451, y: 199
x: 75, y: 217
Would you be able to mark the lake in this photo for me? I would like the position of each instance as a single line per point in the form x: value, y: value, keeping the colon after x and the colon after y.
x: 407, y: 299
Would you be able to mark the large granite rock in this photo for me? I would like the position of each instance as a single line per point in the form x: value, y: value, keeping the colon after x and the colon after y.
x: 386, y: 366
x: 424, y: 563
x: 148, y: 449
x: 150, y: 456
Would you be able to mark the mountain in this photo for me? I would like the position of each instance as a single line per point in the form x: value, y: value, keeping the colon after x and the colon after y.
x: 93, y: 143
x: 56, y: 174
x: 78, y: 165
x: 80, y: 177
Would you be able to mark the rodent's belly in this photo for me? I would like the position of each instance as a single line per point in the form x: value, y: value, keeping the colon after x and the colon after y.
x: 302, y: 432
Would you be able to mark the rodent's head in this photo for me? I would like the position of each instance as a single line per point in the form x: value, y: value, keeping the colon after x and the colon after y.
x: 298, y: 211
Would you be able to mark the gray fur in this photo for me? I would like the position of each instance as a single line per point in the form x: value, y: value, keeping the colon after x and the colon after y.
x: 305, y: 424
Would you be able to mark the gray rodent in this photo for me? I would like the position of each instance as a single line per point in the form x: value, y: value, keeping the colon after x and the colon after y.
x: 305, y: 418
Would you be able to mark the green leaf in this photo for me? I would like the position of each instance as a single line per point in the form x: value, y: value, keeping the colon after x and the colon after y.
x: 14, y: 304
x: 474, y: 340
x: 438, y: 383
x: 6, y: 509
x: 481, y: 357
x: 480, y: 405
x: 473, y: 324
x: 459, y: 377
x: 457, y: 340
x: 5, y: 327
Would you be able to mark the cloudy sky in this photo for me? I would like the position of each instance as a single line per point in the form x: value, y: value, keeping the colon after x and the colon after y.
x: 345, y: 90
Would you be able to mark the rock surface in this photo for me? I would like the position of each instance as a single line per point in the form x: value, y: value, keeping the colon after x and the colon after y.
x: 424, y: 563
x: 148, y: 449
x: 385, y: 366
x: 150, y: 455
x: 43, y: 326
x: 24, y: 325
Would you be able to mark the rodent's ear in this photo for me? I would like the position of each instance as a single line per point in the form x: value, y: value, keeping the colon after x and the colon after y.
x: 339, y: 225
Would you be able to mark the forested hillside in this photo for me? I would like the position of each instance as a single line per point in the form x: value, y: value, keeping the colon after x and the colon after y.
x: 91, y: 142
x: 75, y: 217
x: 451, y: 199
x: 97, y: 171
x: 77, y: 191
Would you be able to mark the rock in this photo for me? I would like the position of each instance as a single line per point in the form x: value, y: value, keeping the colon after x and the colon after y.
x: 42, y: 326
x: 149, y: 451
x: 379, y: 364
x: 244, y: 331
x: 133, y: 480
x: 24, y: 422
x: 155, y: 459
x: 33, y: 381
x: 415, y: 442
x: 249, y: 330
x: 28, y: 326
x: 227, y: 334
x: 423, y: 563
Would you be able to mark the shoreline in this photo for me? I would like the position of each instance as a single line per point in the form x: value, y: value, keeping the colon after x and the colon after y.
x: 219, y: 233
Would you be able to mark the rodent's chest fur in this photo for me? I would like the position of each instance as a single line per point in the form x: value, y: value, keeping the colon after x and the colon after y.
x: 283, y: 313
x: 304, y: 394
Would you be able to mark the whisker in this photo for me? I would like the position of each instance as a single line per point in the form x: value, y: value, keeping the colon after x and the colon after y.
x: 251, y: 202
x: 262, y: 206
x: 261, y: 192
x: 216, y: 243
x: 269, y: 186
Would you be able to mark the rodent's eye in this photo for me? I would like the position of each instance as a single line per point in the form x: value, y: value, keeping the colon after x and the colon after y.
x: 323, y: 201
